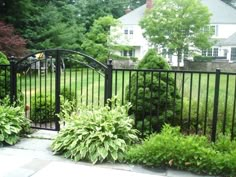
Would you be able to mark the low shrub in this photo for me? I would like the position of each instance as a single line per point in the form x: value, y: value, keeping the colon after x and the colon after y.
x: 194, y: 153
x: 12, y: 123
x: 95, y: 134
x: 43, y: 106
x: 203, y: 58
x: 4, y: 77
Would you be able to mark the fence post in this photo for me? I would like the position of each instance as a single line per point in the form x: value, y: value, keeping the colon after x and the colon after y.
x: 216, y: 103
x: 58, y: 89
x: 108, y: 87
x: 13, y: 84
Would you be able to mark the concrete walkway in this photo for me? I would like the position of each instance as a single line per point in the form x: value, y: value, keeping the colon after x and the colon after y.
x: 32, y: 157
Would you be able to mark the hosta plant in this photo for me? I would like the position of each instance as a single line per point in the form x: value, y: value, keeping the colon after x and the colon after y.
x: 12, y: 123
x: 95, y: 134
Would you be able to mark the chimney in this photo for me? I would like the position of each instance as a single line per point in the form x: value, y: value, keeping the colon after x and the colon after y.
x: 149, y: 4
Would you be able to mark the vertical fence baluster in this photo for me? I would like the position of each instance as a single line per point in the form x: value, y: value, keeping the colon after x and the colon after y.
x: 58, y: 88
x: 144, y: 102
x: 123, y: 85
x: 206, y: 103
x: 198, y: 101
x: 108, y: 82
x: 234, y: 108
x: 99, y: 85
x: 151, y: 104
x: 216, y: 103
x: 13, y: 80
x: 226, y: 103
x: 190, y: 102
x: 129, y: 86
x: 182, y: 101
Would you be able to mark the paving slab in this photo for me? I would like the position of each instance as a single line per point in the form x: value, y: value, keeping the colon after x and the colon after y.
x: 61, y: 169
x: 9, y: 164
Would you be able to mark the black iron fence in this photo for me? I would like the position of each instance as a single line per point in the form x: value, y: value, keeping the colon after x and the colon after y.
x: 199, y: 102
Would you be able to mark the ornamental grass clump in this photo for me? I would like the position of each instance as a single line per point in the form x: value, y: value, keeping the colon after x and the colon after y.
x: 95, y: 134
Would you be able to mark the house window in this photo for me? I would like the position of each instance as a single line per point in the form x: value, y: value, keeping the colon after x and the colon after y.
x: 164, y: 52
x: 225, y: 52
x: 213, y: 28
x: 204, y: 52
x: 233, y: 53
x: 170, y: 53
x: 215, y: 52
x: 126, y: 31
x: 128, y: 53
x: 185, y: 53
x: 209, y: 52
x: 131, y: 31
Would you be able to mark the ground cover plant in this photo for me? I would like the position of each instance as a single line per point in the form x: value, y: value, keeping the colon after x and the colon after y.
x: 95, y: 134
x: 195, y: 153
x: 12, y: 123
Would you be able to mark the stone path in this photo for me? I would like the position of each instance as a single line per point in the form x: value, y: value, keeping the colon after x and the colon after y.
x: 32, y: 157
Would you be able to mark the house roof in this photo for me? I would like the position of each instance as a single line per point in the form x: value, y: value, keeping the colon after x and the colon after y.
x: 133, y: 17
x: 230, y: 41
x: 222, y: 13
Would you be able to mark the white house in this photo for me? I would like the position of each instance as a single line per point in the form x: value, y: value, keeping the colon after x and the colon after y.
x: 223, y: 21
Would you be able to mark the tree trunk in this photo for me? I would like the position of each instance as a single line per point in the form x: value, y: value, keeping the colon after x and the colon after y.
x: 179, y: 58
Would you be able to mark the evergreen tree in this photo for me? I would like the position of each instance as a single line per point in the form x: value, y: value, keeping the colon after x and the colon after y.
x: 154, y: 97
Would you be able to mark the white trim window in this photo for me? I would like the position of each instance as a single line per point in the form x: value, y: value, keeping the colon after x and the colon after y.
x: 129, y: 31
x: 211, y: 52
x: 213, y: 28
x: 233, y: 53
x: 128, y: 53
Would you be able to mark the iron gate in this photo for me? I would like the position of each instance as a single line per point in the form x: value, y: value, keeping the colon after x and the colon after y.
x: 45, y: 79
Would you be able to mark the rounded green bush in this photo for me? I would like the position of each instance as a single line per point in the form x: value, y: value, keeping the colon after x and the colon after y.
x: 4, y: 77
x: 43, y: 106
x: 148, y: 93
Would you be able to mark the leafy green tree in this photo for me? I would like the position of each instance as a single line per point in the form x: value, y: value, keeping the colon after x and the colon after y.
x: 15, y: 12
x: 177, y: 25
x: 91, y: 10
x: 54, y: 25
x: 97, y: 43
x: 154, y: 98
